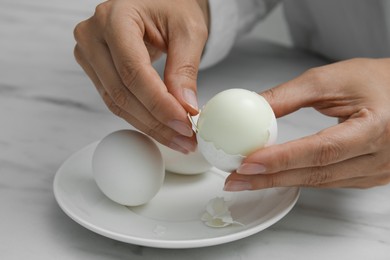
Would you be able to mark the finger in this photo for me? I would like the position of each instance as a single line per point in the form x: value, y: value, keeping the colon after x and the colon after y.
x: 87, y: 67
x: 160, y: 133
x: 154, y: 53
x: 132, y: 62
x: 143, y: 119
x: 292, y: 95
x: 308, y: 177
x: 359, y: 182
x: 126, y: 100
x: 182, y: 64
x: 316, y: 88
x: 350, y: 139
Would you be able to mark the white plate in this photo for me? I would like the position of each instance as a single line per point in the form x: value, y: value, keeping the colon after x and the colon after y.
x: 172, y: 218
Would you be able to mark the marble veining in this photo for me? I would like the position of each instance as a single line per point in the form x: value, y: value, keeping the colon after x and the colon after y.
x: 49, y: 109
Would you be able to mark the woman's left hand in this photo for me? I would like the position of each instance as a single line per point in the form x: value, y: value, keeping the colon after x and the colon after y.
x: 354, y: 153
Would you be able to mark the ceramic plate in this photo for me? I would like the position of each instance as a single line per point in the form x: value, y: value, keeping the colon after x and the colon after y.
x: 172, y: 219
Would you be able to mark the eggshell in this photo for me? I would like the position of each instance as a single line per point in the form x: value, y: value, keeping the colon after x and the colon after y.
x: 128, y: 167
x: 217, y: 157
x: 233, y: 124
x: 217, y: 214
x: 188, y: 164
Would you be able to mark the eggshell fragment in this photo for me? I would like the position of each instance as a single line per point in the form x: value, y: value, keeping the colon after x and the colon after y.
x: 218, y: 158
x: 217, y: 214
x: 128, y: 167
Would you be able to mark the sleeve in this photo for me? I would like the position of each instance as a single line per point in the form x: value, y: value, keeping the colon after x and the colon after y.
x: 231, y: 19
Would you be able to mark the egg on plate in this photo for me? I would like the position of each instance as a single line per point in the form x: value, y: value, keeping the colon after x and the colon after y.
x: 128, y: 167
x: 187, y: 164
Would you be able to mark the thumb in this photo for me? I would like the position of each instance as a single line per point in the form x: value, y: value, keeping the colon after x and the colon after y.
x: 181, y: 70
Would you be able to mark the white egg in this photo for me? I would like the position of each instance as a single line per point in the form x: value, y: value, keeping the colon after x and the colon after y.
x: 176, y: 162
x: 128, y: 167
x: 233, y: 124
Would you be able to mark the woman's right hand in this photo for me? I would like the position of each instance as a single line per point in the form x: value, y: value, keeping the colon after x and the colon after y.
x: 116, y: 48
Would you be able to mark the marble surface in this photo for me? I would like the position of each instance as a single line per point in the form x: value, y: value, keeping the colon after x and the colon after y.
x: 49, y: 110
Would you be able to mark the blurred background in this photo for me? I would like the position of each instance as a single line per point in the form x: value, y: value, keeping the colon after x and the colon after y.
x: 274, y: 28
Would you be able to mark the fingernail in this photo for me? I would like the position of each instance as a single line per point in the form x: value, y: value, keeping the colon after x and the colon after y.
x: 251, y: 168
x: 184, y: 142
x: 190, y: 98
x: 178, y: 148
x: 237, y: 186
x: 181, y: 127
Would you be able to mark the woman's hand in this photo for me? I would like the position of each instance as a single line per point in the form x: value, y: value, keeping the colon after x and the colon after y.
x: 116, y: 48
x: 355, y: 153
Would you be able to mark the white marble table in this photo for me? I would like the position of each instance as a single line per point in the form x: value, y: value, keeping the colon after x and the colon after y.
x: 49, y: 110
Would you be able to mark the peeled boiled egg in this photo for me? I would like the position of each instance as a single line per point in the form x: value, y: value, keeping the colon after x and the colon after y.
x: 233, y: 124
x: 176, y: 162
x: 128, y: 167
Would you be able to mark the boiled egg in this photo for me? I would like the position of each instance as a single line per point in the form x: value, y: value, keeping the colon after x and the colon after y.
x: 128, y: 167
x: 232, y: 125
x: 187, y: 164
